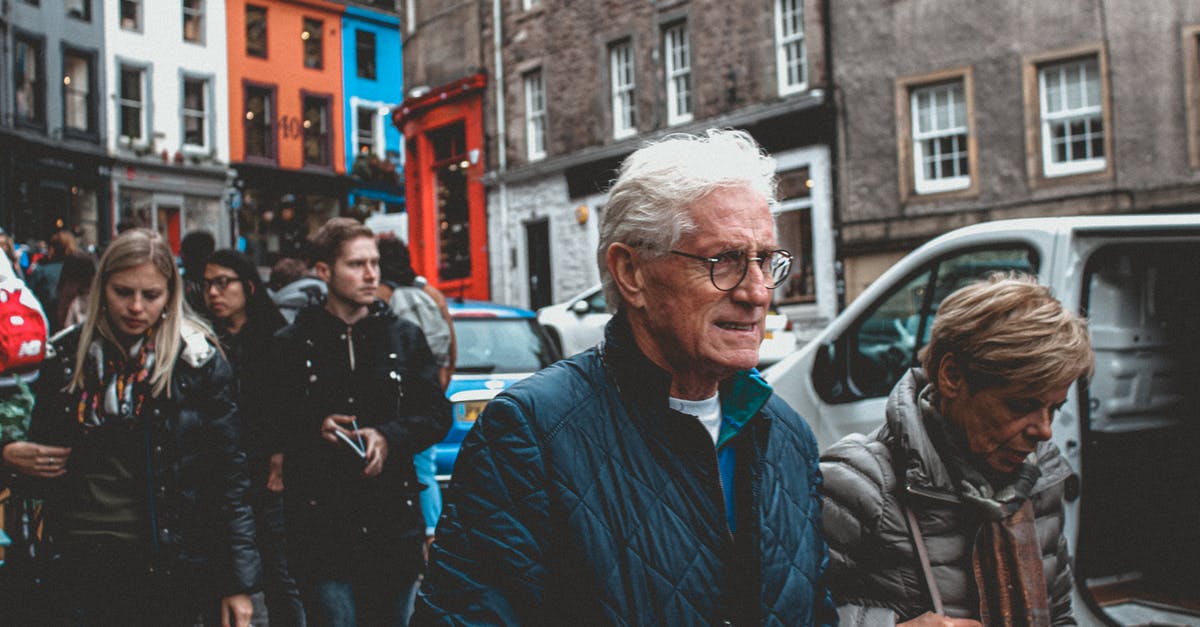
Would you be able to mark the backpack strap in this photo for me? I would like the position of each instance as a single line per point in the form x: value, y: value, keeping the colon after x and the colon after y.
x: 918, y: 540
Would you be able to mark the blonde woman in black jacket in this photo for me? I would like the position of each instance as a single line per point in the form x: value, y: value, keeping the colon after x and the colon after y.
x: 148, y: 523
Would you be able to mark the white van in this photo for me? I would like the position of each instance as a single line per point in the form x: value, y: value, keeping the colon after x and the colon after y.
x: 1132, y: 435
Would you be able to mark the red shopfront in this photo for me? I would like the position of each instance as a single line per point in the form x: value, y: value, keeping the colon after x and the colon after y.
x: 447, y: 212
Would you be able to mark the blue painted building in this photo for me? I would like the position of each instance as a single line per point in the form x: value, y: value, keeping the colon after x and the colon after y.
x: 373, y: 85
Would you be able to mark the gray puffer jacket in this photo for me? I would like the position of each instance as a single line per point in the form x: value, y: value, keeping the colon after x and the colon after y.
x: 874, y: 572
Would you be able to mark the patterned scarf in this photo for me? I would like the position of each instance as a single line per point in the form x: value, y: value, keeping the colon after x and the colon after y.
x: 115, y: 384
x: 1006, y: 560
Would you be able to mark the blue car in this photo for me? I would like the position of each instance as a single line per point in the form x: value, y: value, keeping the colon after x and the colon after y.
x: 497, y: 346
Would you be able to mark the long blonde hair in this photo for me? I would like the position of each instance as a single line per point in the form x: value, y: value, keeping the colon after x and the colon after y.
x: 131, y: 249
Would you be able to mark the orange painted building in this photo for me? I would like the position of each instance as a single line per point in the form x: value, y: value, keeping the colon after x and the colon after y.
x: 285, y: 112
x: 447, y: 203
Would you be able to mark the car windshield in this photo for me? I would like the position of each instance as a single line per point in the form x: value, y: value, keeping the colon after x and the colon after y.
x: 499, y: 345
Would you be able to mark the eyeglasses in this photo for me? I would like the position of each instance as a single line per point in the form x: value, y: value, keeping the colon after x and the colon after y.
x: 729, y: 268
x: 220, y: 282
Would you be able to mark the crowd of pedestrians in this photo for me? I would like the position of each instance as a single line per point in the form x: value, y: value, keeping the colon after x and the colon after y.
x: 196, y: 438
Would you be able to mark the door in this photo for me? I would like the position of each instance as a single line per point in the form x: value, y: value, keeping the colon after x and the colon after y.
x: 168, y: 225
x: 537, y: 251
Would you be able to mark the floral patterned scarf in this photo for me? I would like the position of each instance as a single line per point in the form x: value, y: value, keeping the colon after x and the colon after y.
x: 115, y: 383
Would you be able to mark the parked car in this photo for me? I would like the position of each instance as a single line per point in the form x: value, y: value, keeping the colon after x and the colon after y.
x: 1131, y: 434
x: 577, y: 324
x: 497, y: 346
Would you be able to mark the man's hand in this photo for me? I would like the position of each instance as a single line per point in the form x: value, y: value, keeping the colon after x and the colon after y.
x: 37, y: 460
x: 929, y: 619
x: 236, y: 611
x: 377, y: 451
x: 275, y: 477
x: 334, y: 423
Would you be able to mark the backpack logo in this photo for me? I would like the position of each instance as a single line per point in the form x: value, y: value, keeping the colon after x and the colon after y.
x: 22, y: 334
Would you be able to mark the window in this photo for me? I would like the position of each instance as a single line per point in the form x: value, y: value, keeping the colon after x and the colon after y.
x: 791, y: 57
x: 535, y: 116
x: 311, y: 36
x: 935, y: 134
x: 131, y: 15
x: 453, y: 205
x: 1072, y: 117
x: 256, y: 31
x: 794, y: 228
x: 883, y: 344
x: 939, y: 133
x: 132, y: 103
x: 316, y: 131
x: 624, y: 104
x: 679, y: 74
x: 30, y: 85
x: 78, y: 101
x: 259, y: 116
x: 364, y: 51
x: 530, y: 4
x: 195, y: 112
x: 79, y: 9
x: 193, y: 21
x: 365, y: 131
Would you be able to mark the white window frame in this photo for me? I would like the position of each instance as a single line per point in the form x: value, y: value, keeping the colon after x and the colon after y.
x: 141, y: 105
x: 954, y: 126
x: 535, y: 116
x: 198, y: 13
x: 79, y: 94
x: 791, y: 56
x: 678, y: 65
x: 1085, y: 111
x: 204, y: 115
x: 379, y: 115
x: 624, y: 89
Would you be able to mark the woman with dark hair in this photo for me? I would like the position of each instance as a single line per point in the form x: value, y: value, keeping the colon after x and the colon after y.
x: 147, y: 514
x: 74, y: 285
x: 245, y: 318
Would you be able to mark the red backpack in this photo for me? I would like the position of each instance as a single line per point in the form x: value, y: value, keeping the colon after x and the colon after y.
x: 22, y: 334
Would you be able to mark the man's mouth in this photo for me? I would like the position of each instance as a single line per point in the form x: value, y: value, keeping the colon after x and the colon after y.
x: 734, y: 326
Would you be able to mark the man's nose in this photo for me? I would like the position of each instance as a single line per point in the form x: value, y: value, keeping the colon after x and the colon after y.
x: 753, y: 288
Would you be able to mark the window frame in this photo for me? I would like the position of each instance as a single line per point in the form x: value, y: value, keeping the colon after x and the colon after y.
x: 361, y: 38
x: 675, y: 50
x: 911, y: 189
x: 534, y: 83
x: 91, y: 99
x: 38, y: 87
x: 784, y: 43
x: 371, y: 113
x: 139, y: 19
x: 143, y: 103
x: 84, y: 15
x: 205, y: 114
x: 623, y: 95
x: 197, y: 14
x: 313, y: 45
x: 324, y: 136
x: 1190, y: 38
x: 271, y: 128
x: 1037, y: 147
x: 1068, y: 70
x: 254, y: 53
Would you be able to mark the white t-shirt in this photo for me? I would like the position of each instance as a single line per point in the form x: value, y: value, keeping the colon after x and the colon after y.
x: 707, y: 411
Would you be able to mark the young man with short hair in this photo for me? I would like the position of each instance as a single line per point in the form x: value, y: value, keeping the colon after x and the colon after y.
x: 356, y: 396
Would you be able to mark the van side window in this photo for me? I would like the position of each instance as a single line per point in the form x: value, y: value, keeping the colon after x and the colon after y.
x: 872, y: 355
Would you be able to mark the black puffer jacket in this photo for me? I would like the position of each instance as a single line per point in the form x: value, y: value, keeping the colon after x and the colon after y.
x: 874, y: 572
x: 199, y: 522
x: 380, y: 370
x: 584, y: 499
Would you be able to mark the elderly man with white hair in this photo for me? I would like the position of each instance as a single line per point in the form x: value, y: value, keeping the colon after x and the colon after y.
x: 655, y: 479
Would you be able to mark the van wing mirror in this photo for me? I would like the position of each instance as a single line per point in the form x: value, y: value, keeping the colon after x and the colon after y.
x: 581, y: 307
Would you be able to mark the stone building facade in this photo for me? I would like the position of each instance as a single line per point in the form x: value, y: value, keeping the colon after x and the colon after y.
x: 1013, y: 109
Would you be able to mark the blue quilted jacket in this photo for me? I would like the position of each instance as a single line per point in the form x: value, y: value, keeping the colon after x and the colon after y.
x: 582, y: 499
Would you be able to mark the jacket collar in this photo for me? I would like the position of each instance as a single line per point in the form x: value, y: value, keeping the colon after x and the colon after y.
x: 648, y: 386
x: 317, y: 316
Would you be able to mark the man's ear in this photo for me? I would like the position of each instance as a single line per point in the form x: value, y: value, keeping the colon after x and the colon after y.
x: 950, y: 380
x: 627, y: 273
x: 322, y: 270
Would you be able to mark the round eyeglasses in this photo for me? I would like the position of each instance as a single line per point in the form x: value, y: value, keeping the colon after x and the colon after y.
x: 728, y: 269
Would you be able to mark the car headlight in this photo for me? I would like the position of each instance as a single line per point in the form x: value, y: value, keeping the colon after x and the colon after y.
x: 468, y: 411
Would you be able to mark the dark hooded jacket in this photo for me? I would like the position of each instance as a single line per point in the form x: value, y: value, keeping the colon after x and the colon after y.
x: 582, y: 498
x: 381, y: 370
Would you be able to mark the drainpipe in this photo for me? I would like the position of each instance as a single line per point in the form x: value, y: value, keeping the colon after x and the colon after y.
x: 502, y: 147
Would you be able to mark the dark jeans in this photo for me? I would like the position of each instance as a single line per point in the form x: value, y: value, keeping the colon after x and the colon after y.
x: 280, y: 592
x: 340, y: 603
